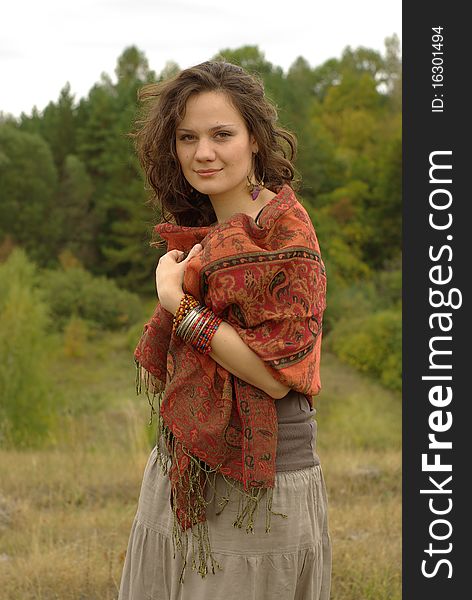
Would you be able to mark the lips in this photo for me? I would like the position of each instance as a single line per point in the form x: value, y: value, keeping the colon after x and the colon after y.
x: 207, y: 171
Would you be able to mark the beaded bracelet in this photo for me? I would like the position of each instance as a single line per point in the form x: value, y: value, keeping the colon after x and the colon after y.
x: 195, y: 324
x: 187, y: 303
x: 201, y: 330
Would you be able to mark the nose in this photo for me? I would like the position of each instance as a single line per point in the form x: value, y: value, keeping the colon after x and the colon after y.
x: 204, y: 150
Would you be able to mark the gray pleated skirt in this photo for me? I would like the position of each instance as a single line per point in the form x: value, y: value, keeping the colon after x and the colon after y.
x: 291, y: 562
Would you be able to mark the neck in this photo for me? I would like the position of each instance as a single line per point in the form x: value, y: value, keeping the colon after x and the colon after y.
x: 227, y: 204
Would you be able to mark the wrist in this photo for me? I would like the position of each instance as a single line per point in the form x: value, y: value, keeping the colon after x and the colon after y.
x: 172, y: 301
x: 195, y: 323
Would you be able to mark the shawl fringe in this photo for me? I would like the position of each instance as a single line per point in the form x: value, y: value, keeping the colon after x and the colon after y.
x: 199, y: 476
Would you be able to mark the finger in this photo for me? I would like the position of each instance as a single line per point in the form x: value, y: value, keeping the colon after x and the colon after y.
x: 175, y: 254
x: 194, y: 250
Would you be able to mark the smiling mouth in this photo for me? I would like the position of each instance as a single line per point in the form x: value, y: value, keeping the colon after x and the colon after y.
x: 207, y: 173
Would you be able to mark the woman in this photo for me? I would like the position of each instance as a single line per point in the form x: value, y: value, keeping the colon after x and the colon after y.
x: 233, y: 502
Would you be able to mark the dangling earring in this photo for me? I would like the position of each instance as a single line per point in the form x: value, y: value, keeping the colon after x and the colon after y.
x: 254, y: 188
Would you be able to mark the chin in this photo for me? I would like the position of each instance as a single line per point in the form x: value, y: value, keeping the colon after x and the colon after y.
x: 210, y: 188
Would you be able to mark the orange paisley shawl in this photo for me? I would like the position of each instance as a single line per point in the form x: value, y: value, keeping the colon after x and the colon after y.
x: 268, y: 281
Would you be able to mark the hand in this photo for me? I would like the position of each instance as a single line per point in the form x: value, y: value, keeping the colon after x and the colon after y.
x: 170, y: 276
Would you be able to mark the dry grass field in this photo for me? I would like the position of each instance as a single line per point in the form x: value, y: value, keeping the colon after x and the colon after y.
x: 66, y: 510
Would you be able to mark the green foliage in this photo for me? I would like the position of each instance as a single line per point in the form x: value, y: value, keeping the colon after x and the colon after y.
x: 27, y: 192
x: 380, y: 291
x: 58, y: 126
x: 133, y: 336
x: 355, y: 412
x: 388, y: 284
x: 132, y: 66
x: 363, y: 322
x: 355, y: 91
x: 75, y: 197
x: 117, y: 210
x: 72, y: 186
x: 75, y: 337
x: 356, y: 300
x: 249, y: 58
x: 372, y: 344
x: 384, y: 212
x: 96, y: 300
x: 344, y: 112
x: 28, y: 398
x: 317, y: 160
x: 342, y: 257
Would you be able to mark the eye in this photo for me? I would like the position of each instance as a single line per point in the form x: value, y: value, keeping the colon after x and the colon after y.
x: 185, y: 136
x: 224, y: 134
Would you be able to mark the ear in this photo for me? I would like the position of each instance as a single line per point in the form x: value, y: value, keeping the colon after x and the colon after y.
x: 254, y: 145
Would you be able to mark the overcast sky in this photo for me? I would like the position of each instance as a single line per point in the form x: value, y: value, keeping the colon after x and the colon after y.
x: 45, y: 43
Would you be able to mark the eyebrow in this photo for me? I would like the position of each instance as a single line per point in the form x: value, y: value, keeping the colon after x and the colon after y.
x: 211, y: 128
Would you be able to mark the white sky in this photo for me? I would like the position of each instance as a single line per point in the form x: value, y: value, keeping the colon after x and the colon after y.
x: 45, y: 43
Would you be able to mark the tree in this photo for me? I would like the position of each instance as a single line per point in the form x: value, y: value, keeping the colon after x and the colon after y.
x: 132, y: 66
x: 58, y: 126
x: 27, y: 193
x: 392, y: 72
x: 77, y: 223
x: 117, y: 204
x: 250, y: 58
x: 171, y: 68
x: 28, y: 397
x: 385, y: 211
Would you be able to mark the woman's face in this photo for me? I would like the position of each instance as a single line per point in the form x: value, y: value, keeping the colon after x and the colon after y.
x: 213, y: 137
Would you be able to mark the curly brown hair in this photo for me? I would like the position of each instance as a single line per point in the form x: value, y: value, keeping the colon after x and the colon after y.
x: 164, y: 107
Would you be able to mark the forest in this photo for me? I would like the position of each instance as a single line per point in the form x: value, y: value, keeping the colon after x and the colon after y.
x: 77, y: 283
x: 72, y: 191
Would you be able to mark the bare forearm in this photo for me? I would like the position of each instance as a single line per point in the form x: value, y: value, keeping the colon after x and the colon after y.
x: 231, y: 352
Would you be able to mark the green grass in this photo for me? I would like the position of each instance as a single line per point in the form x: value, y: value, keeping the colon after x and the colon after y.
x: 359, y: 443
x: 66, y: 510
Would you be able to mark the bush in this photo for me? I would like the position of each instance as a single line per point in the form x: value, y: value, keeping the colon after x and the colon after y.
x: 381, y: 291
x: 75, y: 337
x: 133, y: 336
x: 357, y: 300
x: 389, y: 288
x: 372, y: 344
x: 27, y: 396
x: 96, y: 300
